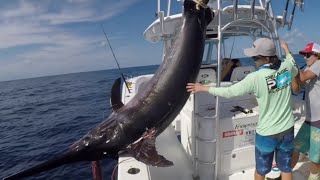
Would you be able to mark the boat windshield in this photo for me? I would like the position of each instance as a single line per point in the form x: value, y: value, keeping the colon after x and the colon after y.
x: 232, y: 48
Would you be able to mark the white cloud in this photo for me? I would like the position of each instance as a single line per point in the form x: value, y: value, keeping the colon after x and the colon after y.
x: 296, y: 39
x: 50, y: 47
x: 23, y: 9
x: 86, y: 12
x: 33, y: 23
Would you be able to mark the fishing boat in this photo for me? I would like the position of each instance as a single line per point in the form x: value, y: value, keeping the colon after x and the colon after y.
x: 213, y: 137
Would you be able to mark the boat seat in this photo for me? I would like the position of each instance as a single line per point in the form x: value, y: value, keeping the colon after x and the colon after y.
x: 241, y: 72
x: 206, y: 75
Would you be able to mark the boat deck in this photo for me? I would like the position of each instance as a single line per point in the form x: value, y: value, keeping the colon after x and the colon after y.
x: 167, y: 145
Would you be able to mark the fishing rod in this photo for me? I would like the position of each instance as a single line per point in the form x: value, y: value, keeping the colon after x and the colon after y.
x: 292, y: 15
x: 284, y: 16
x: 114, y: 56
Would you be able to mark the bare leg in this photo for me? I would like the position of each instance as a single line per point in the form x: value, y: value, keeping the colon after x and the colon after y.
x: 295, y: 158
x: 315, y: 168
x: 286, y: 176
x: 257, y: 176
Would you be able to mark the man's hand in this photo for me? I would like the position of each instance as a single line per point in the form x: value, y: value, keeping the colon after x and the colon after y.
x: 284, y: 44
x: 285, y: 47
x: 196, y: 87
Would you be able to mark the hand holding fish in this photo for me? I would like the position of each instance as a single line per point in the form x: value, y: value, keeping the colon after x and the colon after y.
x: 196, y: 87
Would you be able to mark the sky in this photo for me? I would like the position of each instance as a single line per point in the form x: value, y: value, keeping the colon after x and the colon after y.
x: 51, y: 37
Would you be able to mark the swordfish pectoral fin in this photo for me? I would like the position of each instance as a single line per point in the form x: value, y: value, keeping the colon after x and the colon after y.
x: 145, y: 151
x: 115, y: 100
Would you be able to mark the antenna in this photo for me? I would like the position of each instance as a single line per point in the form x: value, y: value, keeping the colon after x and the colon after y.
x: 124, y: 80
x: 234, y: 38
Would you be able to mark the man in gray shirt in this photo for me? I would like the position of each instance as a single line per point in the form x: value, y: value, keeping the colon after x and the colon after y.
x: 308, y: 137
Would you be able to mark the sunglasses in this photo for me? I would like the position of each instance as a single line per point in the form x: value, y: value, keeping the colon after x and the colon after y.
x: 307, y: 55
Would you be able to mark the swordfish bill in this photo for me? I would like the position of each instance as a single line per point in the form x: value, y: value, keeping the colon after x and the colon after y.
x: 133, y: 127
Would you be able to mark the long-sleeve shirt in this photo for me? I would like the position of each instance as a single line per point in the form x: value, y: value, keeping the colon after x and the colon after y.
x: 272, y: 88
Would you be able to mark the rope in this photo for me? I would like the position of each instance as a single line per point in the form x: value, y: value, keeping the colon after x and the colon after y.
x: 114, y: 169
x: 200, y: 3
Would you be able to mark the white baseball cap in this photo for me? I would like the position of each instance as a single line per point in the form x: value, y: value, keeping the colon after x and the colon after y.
x: 261, y: 47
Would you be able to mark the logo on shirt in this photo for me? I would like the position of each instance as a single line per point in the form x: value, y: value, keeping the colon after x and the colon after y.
x: 278, y: 81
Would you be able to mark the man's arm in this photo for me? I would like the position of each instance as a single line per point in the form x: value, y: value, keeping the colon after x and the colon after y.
x: 285, y: 48
x: 296, y: 84
x: 196, y: 87
x: 289, y: 58
x: 240, y: 88
x: 306, y: 75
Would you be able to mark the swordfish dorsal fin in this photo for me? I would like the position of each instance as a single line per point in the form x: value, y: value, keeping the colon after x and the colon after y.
x: 145, y: 151
x: 115, y: 100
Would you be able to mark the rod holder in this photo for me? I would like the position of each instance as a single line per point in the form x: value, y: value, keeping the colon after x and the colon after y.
x: 161, y: 20
x: 267, y: 8
x: 235, y: 9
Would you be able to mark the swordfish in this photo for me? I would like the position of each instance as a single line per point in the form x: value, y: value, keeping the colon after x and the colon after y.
x: 133, y: 127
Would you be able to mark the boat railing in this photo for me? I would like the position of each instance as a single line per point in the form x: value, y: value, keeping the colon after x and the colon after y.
x: 266, y: 4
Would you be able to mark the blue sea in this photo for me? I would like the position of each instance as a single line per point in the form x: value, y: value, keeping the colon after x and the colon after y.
x: 42, y: 117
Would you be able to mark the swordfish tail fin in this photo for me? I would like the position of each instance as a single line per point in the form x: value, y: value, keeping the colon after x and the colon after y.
x: 48, y: 165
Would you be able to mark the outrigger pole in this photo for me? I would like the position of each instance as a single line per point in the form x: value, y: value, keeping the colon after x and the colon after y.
x: 284, y: 16
x: 124, y: 80
x: 292, y: 14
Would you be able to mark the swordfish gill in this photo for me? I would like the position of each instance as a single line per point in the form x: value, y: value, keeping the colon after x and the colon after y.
x: 133, y: 127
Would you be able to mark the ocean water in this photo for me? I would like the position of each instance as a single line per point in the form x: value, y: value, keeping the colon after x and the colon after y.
x: 41, y: 117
